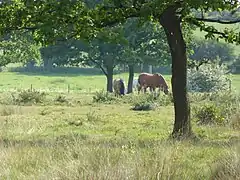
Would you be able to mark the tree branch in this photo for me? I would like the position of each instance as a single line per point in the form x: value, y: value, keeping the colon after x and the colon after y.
x: 218, y: 20
x: 100, y: 66
x: 222, y: 34
x: 108, y: 22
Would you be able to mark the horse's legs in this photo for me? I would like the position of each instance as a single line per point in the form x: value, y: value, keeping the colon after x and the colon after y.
x: 154, y: 91
x: 145, y: 89
x: 139, y: 88
x: 151, y: 89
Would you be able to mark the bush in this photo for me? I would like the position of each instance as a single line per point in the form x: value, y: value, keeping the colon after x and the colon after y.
x: 228, y: 101
x: 103, y: 96
x: 30, y: 96
x: 146, y: 102
x: 218, y: 108
x: 209, y: 114
x: 209, y: 78
x: 143, y: 106
x: 61, y: 99
x: 235, y: 121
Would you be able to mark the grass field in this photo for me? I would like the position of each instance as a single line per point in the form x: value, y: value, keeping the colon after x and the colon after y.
x: 61, y: 82
x: 75, y: 138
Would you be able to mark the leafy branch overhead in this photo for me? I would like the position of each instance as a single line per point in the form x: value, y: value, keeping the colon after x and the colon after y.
x: 17, y: 48
x: 58, y: 20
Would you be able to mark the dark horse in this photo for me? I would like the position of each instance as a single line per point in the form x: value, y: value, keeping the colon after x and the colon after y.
x: 152, y: 81
x: 119, y: 87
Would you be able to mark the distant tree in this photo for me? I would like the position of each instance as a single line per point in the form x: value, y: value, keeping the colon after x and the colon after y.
x: 62, y: 53
x: 146, y: 44
x: 102, y: 54
x: 211, y: 49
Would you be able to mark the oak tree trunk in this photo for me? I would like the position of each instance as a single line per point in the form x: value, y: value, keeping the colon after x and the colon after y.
x: 109, y: 79
x: 172, y: 28
x: 130, y: 78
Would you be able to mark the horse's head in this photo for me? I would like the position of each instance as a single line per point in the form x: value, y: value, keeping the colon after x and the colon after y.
x: 164, y: 85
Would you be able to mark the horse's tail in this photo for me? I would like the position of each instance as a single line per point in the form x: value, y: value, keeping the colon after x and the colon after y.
x: 139, y: 80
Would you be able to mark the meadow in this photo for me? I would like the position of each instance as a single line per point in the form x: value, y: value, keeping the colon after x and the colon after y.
x: 66, y: 135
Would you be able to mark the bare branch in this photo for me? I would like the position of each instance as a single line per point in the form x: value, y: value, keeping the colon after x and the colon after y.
x: 218, y: 20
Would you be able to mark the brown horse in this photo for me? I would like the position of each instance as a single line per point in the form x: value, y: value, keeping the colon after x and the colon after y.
x: 152, y: 81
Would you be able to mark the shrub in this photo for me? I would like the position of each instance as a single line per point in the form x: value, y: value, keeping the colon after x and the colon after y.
x: 143, y: 106
x: 235, y: 121
x: 209, y: 78
x: 61, y: 99
x: 218, y: 108
x: 165, y: 100
x: 30, y: 96
x: 209, y: 114
x: 143, y: 102
x: 228, y: 101
x: 103, y: 96
x: 149, y: 101
x: 92, y: 116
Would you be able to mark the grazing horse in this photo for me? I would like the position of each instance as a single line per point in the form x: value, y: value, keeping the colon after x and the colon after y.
x: 119, y: 87
x: 152, y: 81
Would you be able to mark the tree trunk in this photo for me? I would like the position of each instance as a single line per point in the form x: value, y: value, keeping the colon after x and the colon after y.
x: 172, y: 28
x: 48, y: 64
x: 109, y: 79
x: 141, y: 68
x: 130, y: 78
x: 150, y: 69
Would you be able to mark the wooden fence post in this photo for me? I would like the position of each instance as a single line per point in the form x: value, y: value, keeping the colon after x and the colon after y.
x: 68, y: 88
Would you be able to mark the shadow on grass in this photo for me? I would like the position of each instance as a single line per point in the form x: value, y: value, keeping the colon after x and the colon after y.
x: 67, y: 71
x: 57, y: 71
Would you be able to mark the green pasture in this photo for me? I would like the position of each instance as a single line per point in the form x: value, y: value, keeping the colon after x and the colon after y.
x: 80, y: 139
x: 62, y: 82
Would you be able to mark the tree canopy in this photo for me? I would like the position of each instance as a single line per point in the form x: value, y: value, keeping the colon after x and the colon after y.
x: 50, y: 19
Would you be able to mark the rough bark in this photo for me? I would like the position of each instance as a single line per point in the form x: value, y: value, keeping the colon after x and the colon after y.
x: 48, y: 64
x: 172, y: 28
x: 130, y: 78
x: 109, y: 79
x: 150, y: 69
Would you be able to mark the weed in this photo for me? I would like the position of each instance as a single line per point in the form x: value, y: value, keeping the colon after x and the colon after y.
x: 103, y: 97
x: 61, y: 99
x: 92, y: 116
x: 6, y: 111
